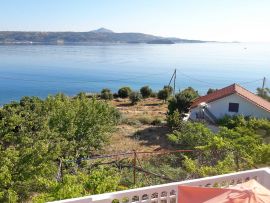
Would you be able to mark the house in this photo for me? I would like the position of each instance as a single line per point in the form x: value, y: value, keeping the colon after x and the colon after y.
x: 231, y: 100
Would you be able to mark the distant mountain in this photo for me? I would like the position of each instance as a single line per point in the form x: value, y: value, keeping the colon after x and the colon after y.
x: 102, y: 30
x: 98, y: 36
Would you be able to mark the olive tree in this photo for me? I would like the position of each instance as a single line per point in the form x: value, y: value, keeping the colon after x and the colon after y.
x: 124, y: 92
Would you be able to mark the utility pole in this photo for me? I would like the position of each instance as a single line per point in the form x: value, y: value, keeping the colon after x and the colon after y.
x: 263, y: 85
x: 174, y: 81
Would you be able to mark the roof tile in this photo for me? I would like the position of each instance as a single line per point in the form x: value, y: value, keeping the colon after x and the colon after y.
x: 233, y: 89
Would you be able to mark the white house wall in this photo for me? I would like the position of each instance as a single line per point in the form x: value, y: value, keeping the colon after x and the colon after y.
x: 220, y: 108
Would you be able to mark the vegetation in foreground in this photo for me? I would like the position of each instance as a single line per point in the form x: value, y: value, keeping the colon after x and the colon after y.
x: 45, y: 144
x: 37, y: 136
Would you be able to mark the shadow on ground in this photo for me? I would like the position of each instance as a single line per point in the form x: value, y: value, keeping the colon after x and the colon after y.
x: 154, y: 135
x: 124, y: 105
x: 152, y: 104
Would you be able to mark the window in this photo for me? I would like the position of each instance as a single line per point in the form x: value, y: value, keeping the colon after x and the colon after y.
x: 233, y: 107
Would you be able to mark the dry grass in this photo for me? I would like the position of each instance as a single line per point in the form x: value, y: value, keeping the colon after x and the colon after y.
x: 151, y: 107
x: 137, y: 132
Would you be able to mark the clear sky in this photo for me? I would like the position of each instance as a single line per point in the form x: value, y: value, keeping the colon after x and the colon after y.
x: 222, y: 20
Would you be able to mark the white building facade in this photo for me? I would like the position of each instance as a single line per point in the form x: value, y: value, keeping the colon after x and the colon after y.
x: 230, y: 101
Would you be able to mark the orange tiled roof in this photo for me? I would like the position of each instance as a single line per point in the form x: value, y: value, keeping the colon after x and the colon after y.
x: 233, y: 89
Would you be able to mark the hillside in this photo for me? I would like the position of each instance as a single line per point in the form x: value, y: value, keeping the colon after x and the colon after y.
x: 101, y: 35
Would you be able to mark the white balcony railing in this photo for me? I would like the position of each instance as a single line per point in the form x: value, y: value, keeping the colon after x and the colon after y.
x: 167, y: 193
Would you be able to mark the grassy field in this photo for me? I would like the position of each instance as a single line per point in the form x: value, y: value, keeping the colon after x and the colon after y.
x: 142, y: 126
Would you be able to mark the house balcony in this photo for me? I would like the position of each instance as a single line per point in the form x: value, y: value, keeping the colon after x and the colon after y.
x: 167, y: 193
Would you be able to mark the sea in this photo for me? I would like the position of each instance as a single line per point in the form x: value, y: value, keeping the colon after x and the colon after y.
x: 42, y: 70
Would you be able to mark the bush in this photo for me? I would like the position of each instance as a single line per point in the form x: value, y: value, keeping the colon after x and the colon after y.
x: 169, y: 88
x: 182, y: 101
x: 264, y: 93
x: 135, y: 97
x: 174, y: 120
x: 154, y: 95
x: 211, y: 90
x: 115, y: 95
x: 260, y: 126
x: 38, y: 133
x: 146, y: 91
x: 146, y: 120
x: 232, y: 121
x: 138, y: 121
x: 165, y: 93
x: 190, y: 135
x: 124, y: 92
x: 157, y: 121
x: 131, y: 121
x: 106, y: 94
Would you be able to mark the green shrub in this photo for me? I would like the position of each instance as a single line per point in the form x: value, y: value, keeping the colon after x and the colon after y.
x: 191, y: 135
x: 232, y: 121
x: 124, y: 92
x: 260, y: 126
x: 165, y: 93
x: 146, y: 91
x: 211, y: 90
x: 154, y: 94
x: 106, y: 94
x: 37, y: 134
x: 169, y: 88
x: 174, y: 120
x: 157, y: 121
x: 182, y: 101
x: 146, y: 120
x: 115, y: 95
x: 131, y: 121
x: 264, y: 93
x: 135, y: 97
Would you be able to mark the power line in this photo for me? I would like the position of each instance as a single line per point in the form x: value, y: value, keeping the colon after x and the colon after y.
x: 210, y: 83
x: 248, y: 82
x: 196, y: 79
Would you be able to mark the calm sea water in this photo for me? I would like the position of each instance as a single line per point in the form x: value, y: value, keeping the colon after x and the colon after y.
x: 43, y: 70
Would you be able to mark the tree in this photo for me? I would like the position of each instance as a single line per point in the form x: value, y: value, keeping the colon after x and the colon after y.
x: 153, y: 94
x: 210, y: 90
x: 100, y: 180
x: 124, y: 92
x: 174, y: 120
x: 106, y: 94
x: 135, y: 97
x: 165, y: 93
x: 264, y: 93
x: 182, y: 101
x: 146, y: 91
x: 190, y: 135
x: 35, y: 134
x: 169, y: 88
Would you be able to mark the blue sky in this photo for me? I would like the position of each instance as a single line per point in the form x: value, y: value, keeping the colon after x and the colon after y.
x: 223, y: 20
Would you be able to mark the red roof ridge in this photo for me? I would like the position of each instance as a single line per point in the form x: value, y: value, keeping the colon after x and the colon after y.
x: 257, y: 100
x: 233, y: 89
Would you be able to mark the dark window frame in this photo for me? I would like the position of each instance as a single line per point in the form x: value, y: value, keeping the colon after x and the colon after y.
x: 233, y: 107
